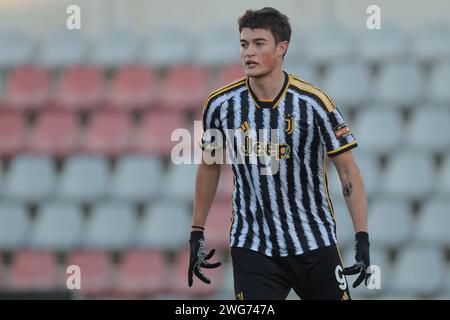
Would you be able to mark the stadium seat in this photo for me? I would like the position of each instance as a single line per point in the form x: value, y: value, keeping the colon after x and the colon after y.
x: 301, y: 70
x: 329, y: 44
x: 433, y: 223
x: 114, y: 48
x: 136, y: 178
x: 297, y: 49
x: 56, y: 132
x: 419, y: 271
x: 168, y: 47
x: 97, y: 271
x: 409, y: 176
x: 61, y: 49
x: 228, y: 74
x: 34, y: 270
x: 345, y: 232
x: 385, y: 45
x: 185, y: 87
x: 83, y: 178
x: 12, y: 132
x: 28, y: 88
x: 217, y: 46
x: 80, y: 88
x: 58, y: 226
x: 348, y: 84
x: 134, y: 87
x: 165, y: 226
x: 179, y: 182
x: 178, y: 285
x: 154, y: 133
x: 442, y: 186
x: 428, y: 130
x: 378, y: 130
x: 17, y: 49
x: 108, y: 133
x: 1, y: 178
x: 218, y: 225
x: 391, y: 223
x: 30, y: 179
x: 431, y: 44
x: 112, y: 226
x: 399, y: 83
x: 14, y: 226
x: 437, y: 87
x: 142, y: 273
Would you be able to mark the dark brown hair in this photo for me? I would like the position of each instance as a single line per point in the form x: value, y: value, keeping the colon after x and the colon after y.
x: 269, y: 19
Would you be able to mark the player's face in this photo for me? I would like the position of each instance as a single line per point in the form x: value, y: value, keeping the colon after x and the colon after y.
x: 259, y: 51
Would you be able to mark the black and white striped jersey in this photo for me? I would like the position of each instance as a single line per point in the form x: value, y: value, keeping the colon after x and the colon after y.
x: 288, y: 211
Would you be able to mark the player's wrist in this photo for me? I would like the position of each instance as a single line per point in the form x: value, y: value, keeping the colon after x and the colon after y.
x: 362, y: 237
x: 196, y: 235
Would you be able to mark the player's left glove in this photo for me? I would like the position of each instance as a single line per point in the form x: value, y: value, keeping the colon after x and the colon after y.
x: 198, y: 258
x: 362, y: 258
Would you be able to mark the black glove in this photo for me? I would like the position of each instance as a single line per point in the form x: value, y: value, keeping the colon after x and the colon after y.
x: 362, y: 258
x: 198, y: 258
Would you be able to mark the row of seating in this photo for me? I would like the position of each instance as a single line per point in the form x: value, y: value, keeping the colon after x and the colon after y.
x: 142, y: 273
x: 219, y: 45
x: 393, y: 224
x: 110, y: 225
x: 114, y: 225
x: 186, y: 86
x: 406, y: 175
x: 110, y: 132
x: 84, y: 178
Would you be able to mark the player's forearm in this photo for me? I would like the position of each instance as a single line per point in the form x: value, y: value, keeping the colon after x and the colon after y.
x: 205, y: 190
x: 355, y: 196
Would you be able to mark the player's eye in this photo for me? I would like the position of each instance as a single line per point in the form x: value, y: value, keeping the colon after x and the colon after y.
x: 259, y: 44
x: 243, y: 45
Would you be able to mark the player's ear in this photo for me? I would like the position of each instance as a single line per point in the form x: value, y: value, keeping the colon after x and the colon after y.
x: 282, y: 47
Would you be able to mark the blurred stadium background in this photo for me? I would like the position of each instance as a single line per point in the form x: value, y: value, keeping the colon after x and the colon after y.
x: 86, y: 117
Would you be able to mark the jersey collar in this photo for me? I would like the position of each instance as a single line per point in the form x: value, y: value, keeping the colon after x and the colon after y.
x: 267, y: 103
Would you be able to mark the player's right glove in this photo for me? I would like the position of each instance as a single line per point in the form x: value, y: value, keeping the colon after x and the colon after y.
x: 198, y: 258
x: 362, y: 258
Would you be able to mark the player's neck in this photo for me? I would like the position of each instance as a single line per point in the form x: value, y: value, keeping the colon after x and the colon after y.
x: 268, y: 86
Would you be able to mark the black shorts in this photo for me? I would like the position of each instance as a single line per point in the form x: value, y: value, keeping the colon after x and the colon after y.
x: 315, y: 275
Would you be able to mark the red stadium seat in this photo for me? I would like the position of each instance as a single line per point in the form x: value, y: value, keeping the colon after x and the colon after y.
x: 34, y: 270
x: 133, y: 87
x: 96, y: 271
x: 178, y: 282
x: 12, y: 132
x: 81, y: 88
x: 109, y: 133
x: 218, y: 225
x: 28, y: 88
x: 185, y: 87
x: 142, y: 273
x: 56, y: 133
x: 229, y: 74
x: 155, y: 131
